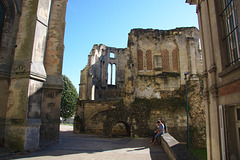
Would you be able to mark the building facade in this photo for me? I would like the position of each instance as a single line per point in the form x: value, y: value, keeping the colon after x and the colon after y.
x: 219, y: 22
x: 151, y: 69
x: 31, y: 51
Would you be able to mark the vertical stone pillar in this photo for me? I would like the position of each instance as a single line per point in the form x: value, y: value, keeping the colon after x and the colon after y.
x: 192, y: 51
x: 27, y: 77
x: 52, y: 89
x: 10, y: 18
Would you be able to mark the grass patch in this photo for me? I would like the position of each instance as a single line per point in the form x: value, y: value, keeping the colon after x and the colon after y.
x: 201, y: 154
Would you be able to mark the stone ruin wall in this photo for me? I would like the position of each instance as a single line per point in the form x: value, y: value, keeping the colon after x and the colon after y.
x: 94, y: 77
x: 161, y: 59
x: 152, y: 67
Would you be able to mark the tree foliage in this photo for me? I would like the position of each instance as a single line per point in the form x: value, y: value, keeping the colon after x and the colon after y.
x: 68, y: 99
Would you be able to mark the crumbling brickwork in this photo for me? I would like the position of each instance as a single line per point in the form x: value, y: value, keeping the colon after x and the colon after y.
x: 151, y: 69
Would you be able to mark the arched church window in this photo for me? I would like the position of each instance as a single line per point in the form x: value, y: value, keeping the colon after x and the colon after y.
x: 111, y: 74
x: 114, y: 74
x: 2, y: 16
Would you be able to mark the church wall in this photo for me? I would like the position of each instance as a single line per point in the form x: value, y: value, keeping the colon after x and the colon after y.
x: 52, y: 88
x: 25, y: 78
x: 8, y: 42
x: 95, y: 76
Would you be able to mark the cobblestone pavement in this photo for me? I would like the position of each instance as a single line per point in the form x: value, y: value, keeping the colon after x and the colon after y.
x: 92, y: 147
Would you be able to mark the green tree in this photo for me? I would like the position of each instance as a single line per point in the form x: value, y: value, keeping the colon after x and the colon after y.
x: 68, y: 99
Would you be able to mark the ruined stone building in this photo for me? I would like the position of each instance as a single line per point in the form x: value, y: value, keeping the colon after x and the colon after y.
x: 31, y: 52
x: 219, y: 22
x: 31, y: 63
x: 132, y: 88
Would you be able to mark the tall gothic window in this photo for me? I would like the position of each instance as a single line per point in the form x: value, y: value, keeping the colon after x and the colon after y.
x: 2, y: 16
x: 229, y: 15
x: 111, y: 74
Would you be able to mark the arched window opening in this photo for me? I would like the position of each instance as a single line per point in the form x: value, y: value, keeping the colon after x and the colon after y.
x: 111, y: 74
x: 2, y: 16
x: 112, y: 55
x: 114, y: 74
x: 93, y: 93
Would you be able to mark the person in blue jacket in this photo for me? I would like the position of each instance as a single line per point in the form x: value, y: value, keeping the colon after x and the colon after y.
x: 159, y: 131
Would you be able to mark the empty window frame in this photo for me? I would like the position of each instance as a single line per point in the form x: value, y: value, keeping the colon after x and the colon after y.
x: 111, y: 74
x: 112, y: 55
x: 229, y: 15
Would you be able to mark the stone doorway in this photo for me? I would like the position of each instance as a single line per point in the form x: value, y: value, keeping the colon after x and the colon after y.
x: 121, y: 129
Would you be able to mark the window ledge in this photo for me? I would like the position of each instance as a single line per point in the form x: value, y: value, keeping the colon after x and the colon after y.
x: 229, y: 69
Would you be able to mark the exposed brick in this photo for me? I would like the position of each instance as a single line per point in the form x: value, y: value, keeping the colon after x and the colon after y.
x: 140, y: 59
x: 149, y: 59
x: 175, y: 59
x: 230, y: 88
x: 165, y: 60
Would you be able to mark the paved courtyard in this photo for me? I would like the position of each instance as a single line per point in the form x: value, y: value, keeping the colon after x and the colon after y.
x: 92, y: 147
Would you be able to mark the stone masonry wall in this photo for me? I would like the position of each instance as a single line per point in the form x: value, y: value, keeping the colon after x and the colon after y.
x: 99, y: 84
x: 31, y: 51
x: 139, y: 120
x: 150, y: 85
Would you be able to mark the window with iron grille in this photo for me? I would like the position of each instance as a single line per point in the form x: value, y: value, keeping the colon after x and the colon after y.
x: 229, y: 15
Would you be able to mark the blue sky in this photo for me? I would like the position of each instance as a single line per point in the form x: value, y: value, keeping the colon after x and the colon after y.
x: 108, y: 22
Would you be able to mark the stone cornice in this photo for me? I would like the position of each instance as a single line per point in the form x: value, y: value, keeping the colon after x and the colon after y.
x: 205, y: 74
x: 214, y: 91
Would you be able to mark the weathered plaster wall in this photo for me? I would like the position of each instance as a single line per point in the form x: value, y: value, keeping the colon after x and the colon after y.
x: 161, y: 57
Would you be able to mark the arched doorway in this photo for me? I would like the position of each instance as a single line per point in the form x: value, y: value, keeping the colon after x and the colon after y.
x: 121, y: 129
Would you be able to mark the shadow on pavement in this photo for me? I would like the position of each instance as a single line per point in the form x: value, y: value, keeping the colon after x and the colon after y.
x: 86, y: 145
